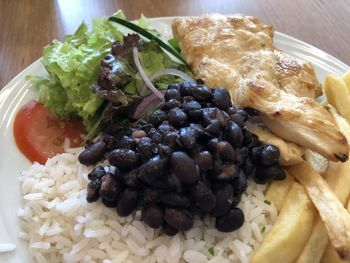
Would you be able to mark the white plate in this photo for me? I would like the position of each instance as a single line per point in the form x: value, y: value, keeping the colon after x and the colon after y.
x: 18, y: 91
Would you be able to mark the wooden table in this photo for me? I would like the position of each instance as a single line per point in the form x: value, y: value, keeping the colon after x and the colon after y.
x: 28, y: 25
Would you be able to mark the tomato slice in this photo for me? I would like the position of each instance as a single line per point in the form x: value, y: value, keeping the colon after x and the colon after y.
x: 40, y: 135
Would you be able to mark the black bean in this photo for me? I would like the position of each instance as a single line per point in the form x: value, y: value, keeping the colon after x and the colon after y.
x: 145, y: 148
x: 110, y: 188
x: 202, y: 93
x: 160, y: 183
x: 240, y: 183
x: 201, y: 134
x: 184, y: 167
x: 195, y: 115
x: 204, y: 197
x: 172, y: 94
x: 127, y: 202
x: 165, y: 128
x: 236, y: 200
x: 155, y: 136
x: 146, y: 127
x: 226, y: 151
x: 170, y: 138
x: 111, y: 142
x: 228, y: 172
x: 256, y: 153
x: 279, y: 173
x: 204, y: 160
x: 238, y: 119
x: 169, y: 230
x: 152, y: 216
x: 168, y: 105
x: 153, y: 169
x: 126, y: 142
x: 250, y: 140
x: 97, y: 173
x: 244, y: 152
x: 113, y: 170
x: 157, y: 117
x: 175, y: 200
x: 191, y: 106
x: 207, y: 105
x: 93, y: 190
x: 217, y: 168
x: 109, y: 203
x: 186, y: 88
x: 231, y: 221
x: 131, y: 178
x: 213, y: 128
x: 123, y: 158
x: 222, y: 98
x: 165, y: 151
x: 248, y: 167
x: 223, y: 117
x: 269, y: 155
x: 265, y: 174
x: 173, y: 86
x: 178, y: 219
x: 151, y: 195
x: 233, y: 134
x: 231, y: 110
x: 224, y: 198
x: 93, y: 153
x: 212, y: 144
x: 177, y: 117
x: 243, y: 113
x: 173, y: 182
x: 187, y: 138
x: 209, y: 114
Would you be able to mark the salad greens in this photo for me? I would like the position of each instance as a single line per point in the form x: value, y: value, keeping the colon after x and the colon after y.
x: 148, y: 35
x: 74, y: 67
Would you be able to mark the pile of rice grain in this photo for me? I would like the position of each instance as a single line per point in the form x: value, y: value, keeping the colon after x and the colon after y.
x: 60, y: 226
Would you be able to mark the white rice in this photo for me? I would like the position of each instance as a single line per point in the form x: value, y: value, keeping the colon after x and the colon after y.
x: 60, y: 226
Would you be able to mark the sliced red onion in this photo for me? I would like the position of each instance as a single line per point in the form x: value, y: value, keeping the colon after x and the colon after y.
x: 145, y: 105
x: 143, y: 75
x: 170, y: 71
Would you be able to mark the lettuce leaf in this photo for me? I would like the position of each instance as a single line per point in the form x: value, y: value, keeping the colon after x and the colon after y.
x: 73, y: 67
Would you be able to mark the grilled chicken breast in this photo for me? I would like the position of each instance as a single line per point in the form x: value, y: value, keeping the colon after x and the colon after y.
x: 296, y: 76
x: 237, y: 53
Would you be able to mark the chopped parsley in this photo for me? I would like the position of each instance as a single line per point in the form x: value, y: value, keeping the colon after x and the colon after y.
x: 267, y: 202
x: 262, y: 230
x: 211, y: 251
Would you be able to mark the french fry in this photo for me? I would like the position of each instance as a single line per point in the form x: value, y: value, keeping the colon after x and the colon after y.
x: 291, y: 230
x: 315, y: 245
x: 338, y: 178
x: 278, y: 190
x: 331, y: 210
x: 338, y: 95
x: 330, y: 255
x: 346, y: 78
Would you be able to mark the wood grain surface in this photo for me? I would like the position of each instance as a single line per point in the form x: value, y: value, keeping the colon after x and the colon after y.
x: 28, y: 25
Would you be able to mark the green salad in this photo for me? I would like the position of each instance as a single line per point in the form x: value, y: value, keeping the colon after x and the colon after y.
x: 74, y: 68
